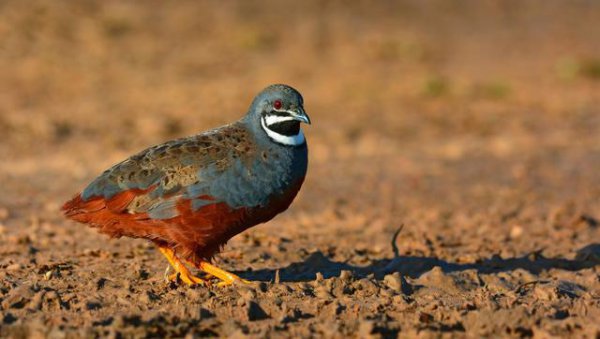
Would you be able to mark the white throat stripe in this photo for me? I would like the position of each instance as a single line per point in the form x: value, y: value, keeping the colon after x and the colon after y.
x: 293, y: 140
x: 273, y: 119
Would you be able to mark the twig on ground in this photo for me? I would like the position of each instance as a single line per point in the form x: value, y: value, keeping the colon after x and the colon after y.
x: 394, y: 238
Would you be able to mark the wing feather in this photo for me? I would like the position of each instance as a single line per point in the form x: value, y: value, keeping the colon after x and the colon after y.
x: 154, y: 180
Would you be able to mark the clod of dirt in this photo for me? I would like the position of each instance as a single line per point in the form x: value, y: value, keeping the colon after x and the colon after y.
x: 551, y: 290
x: 337, y: 287
x: 436, y: 278
x: 52, y: 301
x: 393, y: 281
x: 544, y: 291
x: 36, y: 302
x: 18, y: 297
x: 323, y: 292
x: 14, y: 267
x: 366, y: 287
x: 401, y: 302
x: 346, y: 275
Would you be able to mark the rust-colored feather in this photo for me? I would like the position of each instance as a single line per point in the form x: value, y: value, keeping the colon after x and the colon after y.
x: 194, y: 234
x: 110, y: 215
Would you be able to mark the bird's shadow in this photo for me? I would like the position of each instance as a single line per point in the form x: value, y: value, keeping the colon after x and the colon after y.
x: 414, y: 266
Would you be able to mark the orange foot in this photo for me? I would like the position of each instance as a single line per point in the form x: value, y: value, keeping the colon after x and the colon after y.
x: 226, y: 278
x: 181, y: 272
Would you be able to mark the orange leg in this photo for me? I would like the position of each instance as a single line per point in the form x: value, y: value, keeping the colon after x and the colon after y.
x: 180, y: 270
x: 226, y: 278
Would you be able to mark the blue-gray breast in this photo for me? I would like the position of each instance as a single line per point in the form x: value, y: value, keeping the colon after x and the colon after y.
x: 191, y: 195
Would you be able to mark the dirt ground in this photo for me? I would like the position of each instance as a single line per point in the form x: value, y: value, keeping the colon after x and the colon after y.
x: 475, y: 124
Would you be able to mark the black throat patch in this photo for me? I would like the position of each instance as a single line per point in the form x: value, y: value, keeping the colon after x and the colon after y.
x: 288, y: 128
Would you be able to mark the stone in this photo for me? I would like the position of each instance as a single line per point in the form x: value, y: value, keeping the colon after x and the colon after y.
x: 345, y: 275
x: 393, y: 282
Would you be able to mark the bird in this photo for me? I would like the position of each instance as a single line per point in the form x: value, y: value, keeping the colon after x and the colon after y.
x: 189, y: 196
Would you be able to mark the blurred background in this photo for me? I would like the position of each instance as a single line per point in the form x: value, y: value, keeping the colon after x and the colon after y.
x: 474, y: 123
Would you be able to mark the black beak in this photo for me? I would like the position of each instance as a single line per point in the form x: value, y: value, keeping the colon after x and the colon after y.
x: 299, y: 114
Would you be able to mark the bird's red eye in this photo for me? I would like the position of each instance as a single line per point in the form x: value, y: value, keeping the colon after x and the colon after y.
x: 277, y: 104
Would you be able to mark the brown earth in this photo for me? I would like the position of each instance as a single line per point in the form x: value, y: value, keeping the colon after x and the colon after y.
x: 475, y: 124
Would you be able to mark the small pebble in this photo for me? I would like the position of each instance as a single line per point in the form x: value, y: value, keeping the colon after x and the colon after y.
x: 48, y: 275
x: 345, y: 275
x: 516, y: 231
x: 393, y: 281
x: 14, y: 267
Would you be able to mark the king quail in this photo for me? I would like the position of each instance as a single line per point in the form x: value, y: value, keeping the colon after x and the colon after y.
x: 189, y: 196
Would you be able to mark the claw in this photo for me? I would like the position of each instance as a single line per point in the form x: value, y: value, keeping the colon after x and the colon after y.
x: 226, y: 278
x: 191, y: 280
x: 181, y: 272
x: 173, y: 277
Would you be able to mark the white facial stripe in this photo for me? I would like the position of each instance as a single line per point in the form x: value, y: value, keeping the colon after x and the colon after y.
x: 293, y: 140
x: 273, y: 119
